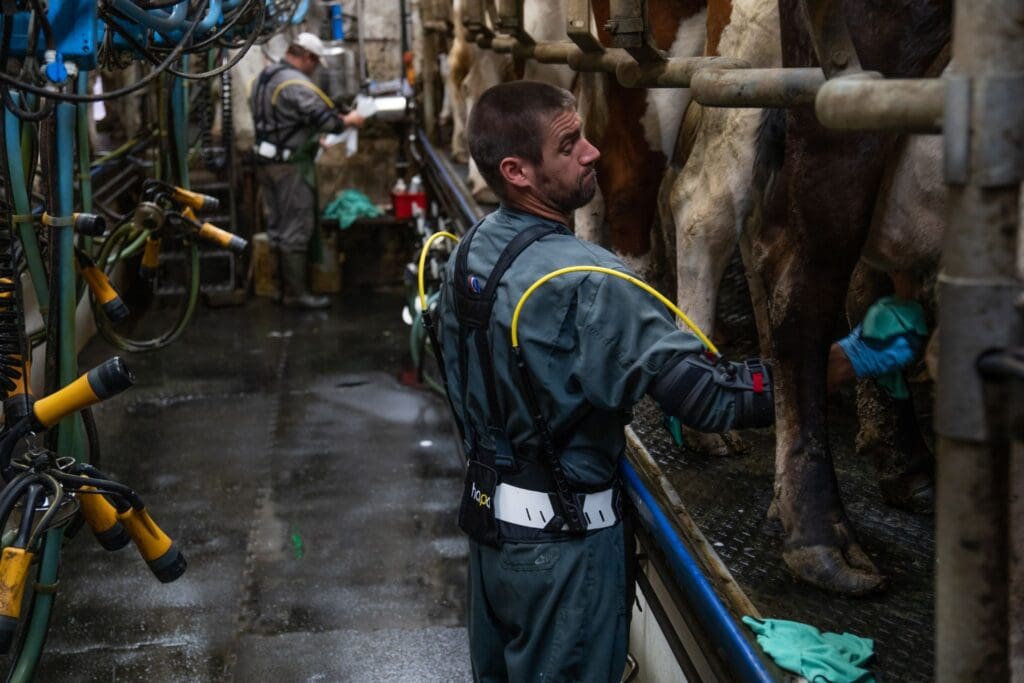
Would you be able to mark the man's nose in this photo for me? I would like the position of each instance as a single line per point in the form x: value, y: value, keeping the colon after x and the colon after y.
x: 590, y: 153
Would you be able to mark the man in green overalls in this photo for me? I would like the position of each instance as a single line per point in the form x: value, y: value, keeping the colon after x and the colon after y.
x: 289, y: 113
x: 548, y: 583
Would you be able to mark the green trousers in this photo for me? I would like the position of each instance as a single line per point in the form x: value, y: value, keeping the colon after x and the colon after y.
x: 550, y: 611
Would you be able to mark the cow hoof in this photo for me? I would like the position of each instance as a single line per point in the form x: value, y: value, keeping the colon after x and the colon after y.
x: 912, y: 493
x: 715, y: 445
x: 829, y: 568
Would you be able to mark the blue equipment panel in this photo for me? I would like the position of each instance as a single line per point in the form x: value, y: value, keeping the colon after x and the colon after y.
x: 75, y: 32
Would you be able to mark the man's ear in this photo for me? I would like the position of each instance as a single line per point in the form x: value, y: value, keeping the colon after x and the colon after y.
x: 514, y: 171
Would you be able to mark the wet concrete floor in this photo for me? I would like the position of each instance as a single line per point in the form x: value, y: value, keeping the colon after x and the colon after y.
x: 313, y: 494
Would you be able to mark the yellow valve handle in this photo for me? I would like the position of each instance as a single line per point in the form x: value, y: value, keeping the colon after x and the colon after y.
x: 105, y: 380
x: 222, y: 238
x: 150, y: 257
x: 423, y: 260
x: 23, y: 383
x: 195, y: 200
x: 622, y: 276
x: 21, y: 386
x: 102, y: 519
x: 14, y: 566
x: 156, y: 547
x: 99, y: 284
x: 150, y: 539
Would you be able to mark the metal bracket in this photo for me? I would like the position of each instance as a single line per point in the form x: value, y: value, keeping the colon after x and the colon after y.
x: 474, y: 18
x: 510, y: 21
x: 578, y: 18
x: 999, y: 144
x: 956, y: 129
x: 628, y: 26
x: 831, y: 37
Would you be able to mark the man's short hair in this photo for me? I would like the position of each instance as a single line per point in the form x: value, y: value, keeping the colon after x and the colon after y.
x: 509, y: 120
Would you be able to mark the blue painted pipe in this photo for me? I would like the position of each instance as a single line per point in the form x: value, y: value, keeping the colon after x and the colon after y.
x: 154, y: 19
x: 740, y: 656
x: 337, y: 23
x: 300, y: 12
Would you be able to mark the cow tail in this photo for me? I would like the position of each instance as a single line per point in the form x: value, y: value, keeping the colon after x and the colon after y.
x: 770, y: 149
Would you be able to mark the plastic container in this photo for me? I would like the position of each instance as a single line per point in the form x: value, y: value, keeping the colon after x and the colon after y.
x: 403, y: 203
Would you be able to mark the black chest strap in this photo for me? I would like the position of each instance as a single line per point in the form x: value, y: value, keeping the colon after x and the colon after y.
x: 474, y: 310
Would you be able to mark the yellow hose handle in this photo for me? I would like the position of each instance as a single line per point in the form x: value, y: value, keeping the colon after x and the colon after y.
x: 622, y: 276
x: 423, y: 260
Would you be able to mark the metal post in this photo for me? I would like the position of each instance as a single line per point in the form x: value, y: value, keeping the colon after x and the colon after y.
x: 629, y: 29
x: 578, y: 17
x: 978, y: 287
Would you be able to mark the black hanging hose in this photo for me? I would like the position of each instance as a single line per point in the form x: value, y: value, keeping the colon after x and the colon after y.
x: 14, y: 350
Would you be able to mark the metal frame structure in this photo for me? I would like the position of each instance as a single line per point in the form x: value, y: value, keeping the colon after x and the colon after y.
x: 977, y: 107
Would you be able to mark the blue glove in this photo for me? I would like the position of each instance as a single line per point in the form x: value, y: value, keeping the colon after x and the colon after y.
x: 871, y: 358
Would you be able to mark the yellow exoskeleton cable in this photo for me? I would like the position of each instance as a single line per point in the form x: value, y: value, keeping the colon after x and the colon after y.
x: 607, y: 271
x: 423, y: 260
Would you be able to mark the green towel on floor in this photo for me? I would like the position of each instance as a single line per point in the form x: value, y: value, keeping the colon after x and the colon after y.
x: 349, y: 206
x: 818, y: 657
x: 888, y: 317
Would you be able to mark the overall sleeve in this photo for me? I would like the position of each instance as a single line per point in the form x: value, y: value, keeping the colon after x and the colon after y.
x: 626, y: 337
x: 312, y: 109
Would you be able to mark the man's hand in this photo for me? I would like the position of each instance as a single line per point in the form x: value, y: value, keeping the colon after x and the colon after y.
x: 716, y: 395
x: 353, y: 119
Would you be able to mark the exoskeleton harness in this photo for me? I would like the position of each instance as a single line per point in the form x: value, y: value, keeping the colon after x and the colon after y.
x: 509, y: 496
x: 270, y: 139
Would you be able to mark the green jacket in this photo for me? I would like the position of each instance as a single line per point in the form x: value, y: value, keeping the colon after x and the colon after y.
x: 593, y: 343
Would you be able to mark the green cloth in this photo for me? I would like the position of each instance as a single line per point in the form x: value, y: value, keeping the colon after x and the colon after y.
x: 818, y: 657
x: 349, y: 206
x: 889, y: 317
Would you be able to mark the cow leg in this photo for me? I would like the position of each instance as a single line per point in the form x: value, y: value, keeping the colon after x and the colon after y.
x: 819, y: 546
x: 705, y: 237
x: 889, y: 433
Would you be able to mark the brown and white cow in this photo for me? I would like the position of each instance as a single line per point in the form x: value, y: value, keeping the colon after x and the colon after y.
x: 817, y: 213
x: 636, y: 131
x: 713, y: 202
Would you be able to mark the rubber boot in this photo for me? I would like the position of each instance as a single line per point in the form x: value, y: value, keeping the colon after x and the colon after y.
x: 293, y: 281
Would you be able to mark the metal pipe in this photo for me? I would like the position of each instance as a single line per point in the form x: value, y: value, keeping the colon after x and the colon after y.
x: 607, y: 62
x: 756, y: 87
x: 978, y: 287
x: 905, y: 105
x: 672, y: 73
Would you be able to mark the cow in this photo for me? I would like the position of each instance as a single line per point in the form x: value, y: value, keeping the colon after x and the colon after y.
x: 818, y: 206
x: 636, y: 131
x: 707, y: 196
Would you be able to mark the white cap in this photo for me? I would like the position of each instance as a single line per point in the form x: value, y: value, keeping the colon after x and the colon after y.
x: 307, y: 41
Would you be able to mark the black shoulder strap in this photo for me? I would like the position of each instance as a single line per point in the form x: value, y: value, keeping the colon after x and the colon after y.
x: 472, y: 308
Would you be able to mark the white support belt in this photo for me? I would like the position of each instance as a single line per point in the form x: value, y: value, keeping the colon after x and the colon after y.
x: 268, y: 150
x: 533, y: 508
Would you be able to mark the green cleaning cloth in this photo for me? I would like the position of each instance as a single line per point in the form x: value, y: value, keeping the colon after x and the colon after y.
x: 818, y: 657
x: 349, y: 206
x: 889, y: 317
